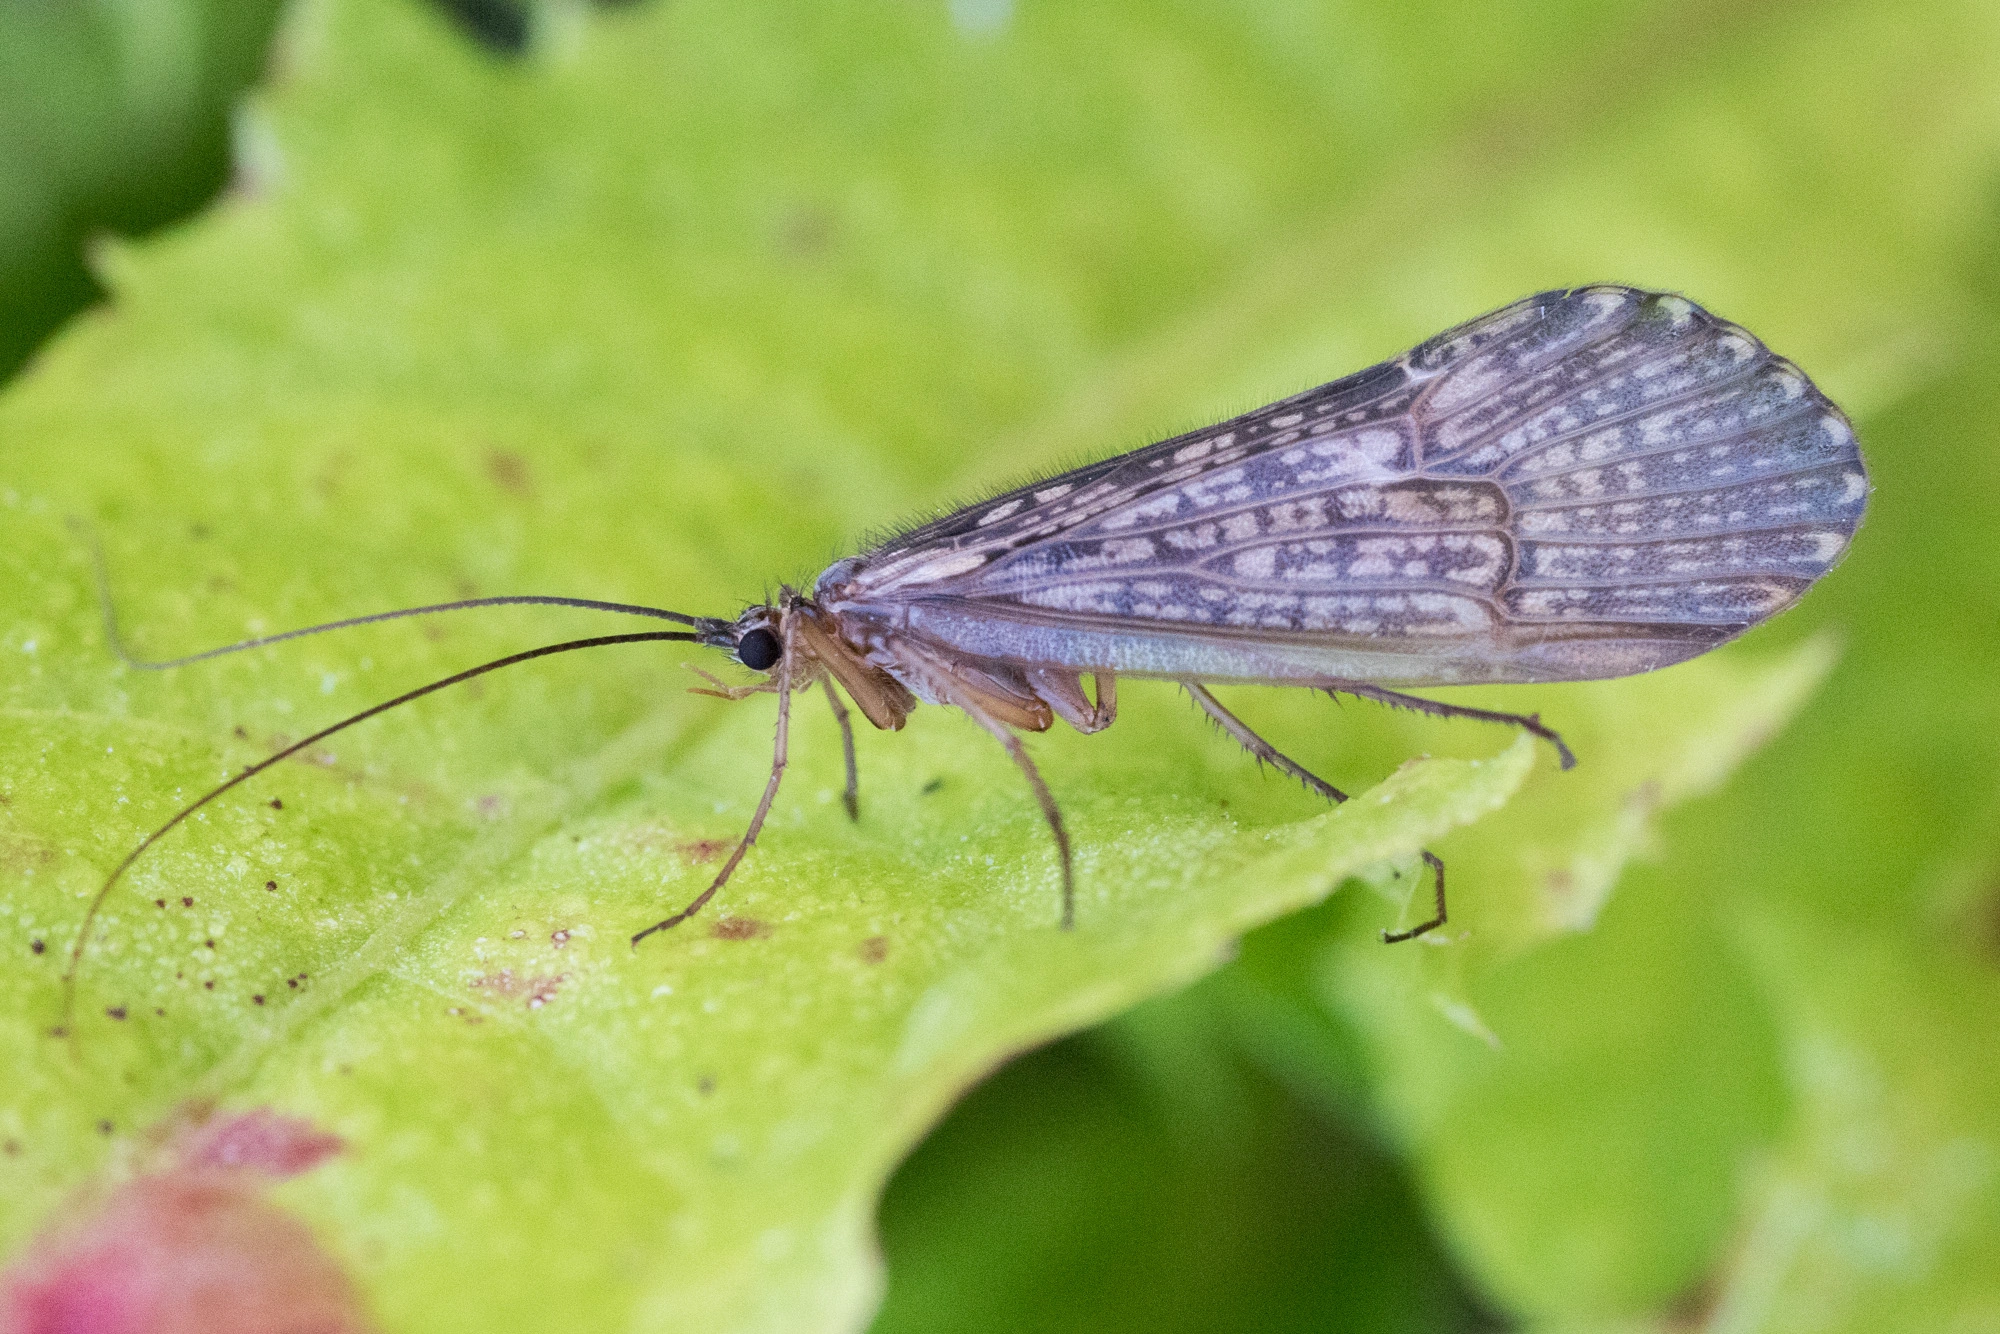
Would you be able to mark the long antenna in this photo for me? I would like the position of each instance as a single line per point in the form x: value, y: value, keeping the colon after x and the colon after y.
x: 117, y: 639
x: 118, y: 646
x: 111, y: 881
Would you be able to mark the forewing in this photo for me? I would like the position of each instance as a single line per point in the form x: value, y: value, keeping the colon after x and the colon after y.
x: 1583, y: 484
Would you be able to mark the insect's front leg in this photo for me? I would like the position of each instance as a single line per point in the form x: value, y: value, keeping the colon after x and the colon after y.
x: 721, y: 689
x: 780, y: 756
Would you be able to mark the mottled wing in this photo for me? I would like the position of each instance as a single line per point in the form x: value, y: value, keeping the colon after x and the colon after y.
x: 1583, y: 484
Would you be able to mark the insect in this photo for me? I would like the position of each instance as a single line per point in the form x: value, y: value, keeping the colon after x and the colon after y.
x: 1584, y: 484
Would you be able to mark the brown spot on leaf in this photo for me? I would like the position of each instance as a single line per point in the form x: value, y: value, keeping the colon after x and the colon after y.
x: 806, y: 231
x: 271, y: 885
x: 1984, y: 911
x: 326, y: 480
x: 186, y: 902
x: 509, y: 471
x: 874, y: 949
x: 21, y: 853
x: 1694, y: 1307
x: 115, y: 1011
x: 277, y: 803
x: 536, y: 991
x: 36, y: 947
x: 701, y: 850
x: 739, y: 928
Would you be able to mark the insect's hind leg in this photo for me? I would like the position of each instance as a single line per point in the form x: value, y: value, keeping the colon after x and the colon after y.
x: 1437, y: 919
x: 1258, y: 746
x: 1284, y: 763
x: 1527, y: 722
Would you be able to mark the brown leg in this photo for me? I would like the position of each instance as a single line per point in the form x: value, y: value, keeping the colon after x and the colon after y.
x: 778, y: 758
x: 1529, y: 722
x: 721, y: 689
x: 1050, y: 811
x: 851, y: 798
x: 1062, y: 691
x: 1437, y: 919
x: 1270, y: 754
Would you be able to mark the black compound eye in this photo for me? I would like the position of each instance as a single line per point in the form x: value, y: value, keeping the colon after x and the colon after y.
x: 758, y: 650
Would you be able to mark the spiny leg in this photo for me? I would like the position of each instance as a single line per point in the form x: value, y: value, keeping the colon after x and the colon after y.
x: 778, y: 759
x: 1270, y: 754
x: 1258, y: 746
x: 851, y: 798
x: 1529, y: 722
x: 1050, y: 811
x: 1437, y: 919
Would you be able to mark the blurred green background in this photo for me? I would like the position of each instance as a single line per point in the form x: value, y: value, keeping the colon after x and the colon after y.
x: 1764, y: 1092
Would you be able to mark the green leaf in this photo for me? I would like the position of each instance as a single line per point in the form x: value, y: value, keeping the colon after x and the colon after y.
x: 480, y: 328
x: 117, y: 121
x: 677, y: 308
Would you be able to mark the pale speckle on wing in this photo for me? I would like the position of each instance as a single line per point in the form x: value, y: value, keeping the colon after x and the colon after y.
x: 1201, y: 449
x: 941, y: 567
x: 1597, y: 465
x: 1254, y: 563
x: 999, y: 512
